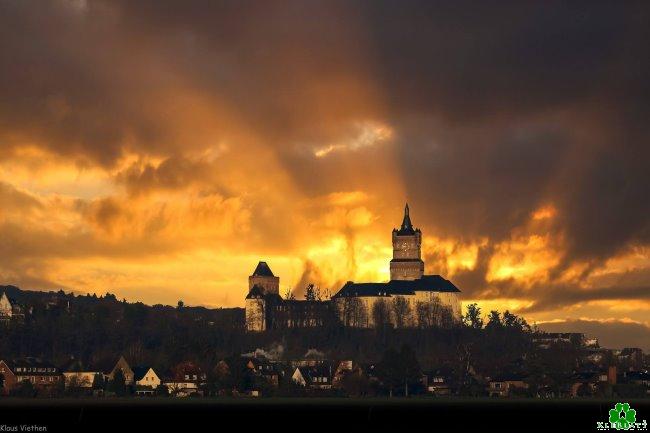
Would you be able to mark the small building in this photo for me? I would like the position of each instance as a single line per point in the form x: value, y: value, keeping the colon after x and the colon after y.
x: 78, y: 375
x: 269, y: 371
x: 344, y: 368
x: 438, y: 382
x: 146, y: 380
x: 9, y: 309
x: 315, y: 378
x: 188, y: 371
x: 126, y: 370
x: 502, y: 386
x: 42, y: 375
x: 545, y: 339
x: 631, y: 358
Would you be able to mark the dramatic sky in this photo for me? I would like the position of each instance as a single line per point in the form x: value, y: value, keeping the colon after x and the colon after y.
x: 158, y: 149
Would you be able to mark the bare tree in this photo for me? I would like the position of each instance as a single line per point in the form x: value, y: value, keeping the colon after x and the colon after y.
x: 288, y: 295
x: 354, y: 312
x: 380, y: 314
x: 401, y: 312
x: 424, y: 314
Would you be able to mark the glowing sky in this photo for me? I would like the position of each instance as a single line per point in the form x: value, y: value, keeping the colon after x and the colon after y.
x: 158, y: 150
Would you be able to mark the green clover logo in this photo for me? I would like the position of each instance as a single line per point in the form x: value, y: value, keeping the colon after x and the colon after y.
x: 622, y: 417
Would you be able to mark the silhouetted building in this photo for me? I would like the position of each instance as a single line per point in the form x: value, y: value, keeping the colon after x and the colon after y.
x: 409, y: 299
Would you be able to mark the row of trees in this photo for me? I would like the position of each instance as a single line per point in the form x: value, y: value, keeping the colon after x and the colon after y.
x: 394, y: 312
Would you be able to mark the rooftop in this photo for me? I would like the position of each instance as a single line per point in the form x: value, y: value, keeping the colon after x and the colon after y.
x: 433, y: 283
x: 263, y: 270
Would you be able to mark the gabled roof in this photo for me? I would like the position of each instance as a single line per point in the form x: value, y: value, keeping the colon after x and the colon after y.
x: 139, y: 372
x: 508, y: 377
x: 431, y: 283
x: 263, y: 270
x: 34, y: 365
x: 309, y: 373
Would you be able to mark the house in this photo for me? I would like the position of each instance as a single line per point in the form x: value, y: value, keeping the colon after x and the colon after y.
x: 344, y: 368
x: 545, y: 339
x: 631, y: 357
x: 9, y: 309
x: 316, y: 378
x: 126, y: 370
x: 502, y: 386
x: 77, y: 375
x: 586, y: 378
x: 42, y: 375
x: 186, y: 379
x: 438, y: 382
x: 146, y: 380
x: 265, y: 369
x: 188, y: 371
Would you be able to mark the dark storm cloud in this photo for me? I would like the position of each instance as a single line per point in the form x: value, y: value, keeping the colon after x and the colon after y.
x: 558, y: 297
x: 538, y: 103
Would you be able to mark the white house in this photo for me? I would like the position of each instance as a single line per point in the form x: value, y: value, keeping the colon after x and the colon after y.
x: 146, y: 380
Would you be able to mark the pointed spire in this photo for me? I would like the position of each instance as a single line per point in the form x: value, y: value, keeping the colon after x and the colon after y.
x: 406, y: 222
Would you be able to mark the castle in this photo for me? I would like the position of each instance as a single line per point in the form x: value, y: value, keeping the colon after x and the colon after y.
x: 409, y: 299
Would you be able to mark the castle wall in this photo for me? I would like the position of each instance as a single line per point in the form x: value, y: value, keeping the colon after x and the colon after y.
x: 255, y: 315
x: 269, y: 284
x: 411, y: 270
x: 359, y: 311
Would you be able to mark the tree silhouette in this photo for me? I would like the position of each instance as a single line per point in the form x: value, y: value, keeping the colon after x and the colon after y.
x: 472, y: 317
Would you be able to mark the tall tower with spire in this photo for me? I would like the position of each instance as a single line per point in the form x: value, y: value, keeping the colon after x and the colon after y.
x: 407, y: 261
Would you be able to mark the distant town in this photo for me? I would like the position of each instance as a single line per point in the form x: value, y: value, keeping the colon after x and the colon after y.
x: 406, y: 337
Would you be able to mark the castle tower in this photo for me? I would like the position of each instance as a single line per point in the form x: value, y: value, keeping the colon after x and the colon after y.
x: 407, y: 261
x: 264, y: 278
x: 262, y: 285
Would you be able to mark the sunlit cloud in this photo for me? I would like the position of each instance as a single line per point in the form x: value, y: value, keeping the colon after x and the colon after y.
x: 366, y: 134
x: 162, y: 165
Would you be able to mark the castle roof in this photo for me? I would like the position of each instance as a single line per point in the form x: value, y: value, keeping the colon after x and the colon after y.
x: 428, y: 283
x: 257, y: 292
x: 263, y: 270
